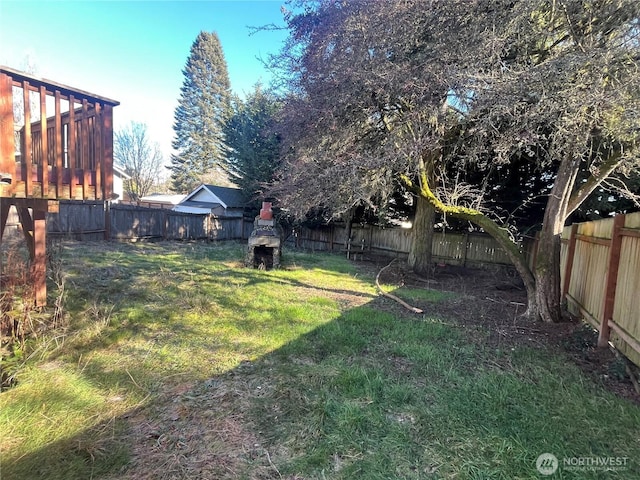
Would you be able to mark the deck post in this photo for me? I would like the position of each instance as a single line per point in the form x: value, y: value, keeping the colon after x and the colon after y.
x: 39, y: 260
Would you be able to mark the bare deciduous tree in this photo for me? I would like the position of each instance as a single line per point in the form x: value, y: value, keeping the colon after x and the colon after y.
x: 141, y: 159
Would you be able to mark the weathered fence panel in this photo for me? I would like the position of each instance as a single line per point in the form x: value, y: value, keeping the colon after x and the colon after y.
x: 79, y: 220
x: 472, y: 249
x: 601, y: 278
x: 393, y: 240
x: 136, y: 223
x: 180, y: 226
x: 93, y: 220
x: 318, y: 239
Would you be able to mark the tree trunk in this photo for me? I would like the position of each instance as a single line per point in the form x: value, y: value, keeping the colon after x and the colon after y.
x: 547, y: 267
x: 422, y: 238
x: 547, y: 273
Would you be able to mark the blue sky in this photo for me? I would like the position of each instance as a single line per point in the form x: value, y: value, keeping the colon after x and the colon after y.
x: 134, y: 51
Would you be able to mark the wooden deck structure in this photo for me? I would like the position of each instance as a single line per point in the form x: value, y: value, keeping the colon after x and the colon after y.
x: 56, y: 142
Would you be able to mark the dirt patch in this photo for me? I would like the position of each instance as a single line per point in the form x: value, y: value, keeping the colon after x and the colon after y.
x: 201, y: 432
x: 492, y: 301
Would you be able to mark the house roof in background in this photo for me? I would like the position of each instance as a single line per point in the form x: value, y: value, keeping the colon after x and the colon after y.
x: 198, y: 204
x: 228, y: 197
x: 121, y: 172
x: 167, y: 198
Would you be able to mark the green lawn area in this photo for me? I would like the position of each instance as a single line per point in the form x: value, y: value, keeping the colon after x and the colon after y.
x: 178, y: 362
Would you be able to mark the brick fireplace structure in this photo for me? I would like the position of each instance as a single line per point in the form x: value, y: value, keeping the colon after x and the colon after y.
x: 264, y: 250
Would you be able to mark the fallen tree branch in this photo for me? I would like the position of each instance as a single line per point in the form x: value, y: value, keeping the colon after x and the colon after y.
x: 393, y: 297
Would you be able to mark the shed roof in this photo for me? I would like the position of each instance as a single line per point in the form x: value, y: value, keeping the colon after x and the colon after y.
x: 231, y: 197
x: 228, y: 197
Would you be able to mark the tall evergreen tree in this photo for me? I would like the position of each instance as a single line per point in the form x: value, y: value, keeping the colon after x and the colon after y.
x: 252, y: 143
x: 200, y: 115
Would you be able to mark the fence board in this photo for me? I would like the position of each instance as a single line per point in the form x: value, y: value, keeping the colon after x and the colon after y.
x: 626, y: 307
x: 587, y: 289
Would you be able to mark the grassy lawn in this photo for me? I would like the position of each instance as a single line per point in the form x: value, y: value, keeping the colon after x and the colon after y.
x: 177, y: 362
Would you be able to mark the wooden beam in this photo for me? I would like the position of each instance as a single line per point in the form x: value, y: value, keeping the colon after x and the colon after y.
x: 44, y: 144
x: 7, y: 144
x: 71, y: 145
x: 98, y: 153
x: 624, y: 336
x: 27, y: 229
x: 630, y: 232
x: 86, y: 170
x: 107, y: 136
x: 34, y: 203
x: 597, y: 240
x: 66, y: 90
x: 611, y: 280
x: 4, y: 215
x: 59, y: 146
x: 26, y: 141
x: 39, y: 259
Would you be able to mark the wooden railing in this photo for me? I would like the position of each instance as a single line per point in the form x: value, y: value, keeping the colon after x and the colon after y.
x: 56, y: 142
x: 74, y: 158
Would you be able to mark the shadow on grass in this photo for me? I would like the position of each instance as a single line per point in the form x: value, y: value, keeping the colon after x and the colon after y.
x: 369, y: 395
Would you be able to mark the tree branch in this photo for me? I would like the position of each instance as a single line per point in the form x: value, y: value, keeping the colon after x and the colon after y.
x: 593, y: 181
x: 391, y: 296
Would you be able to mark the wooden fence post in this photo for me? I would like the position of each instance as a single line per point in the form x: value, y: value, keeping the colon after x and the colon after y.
x: 611, y: 279
x: 165, y: 224
x: 331, y: 235
x: 571, y: 250
x: 107, y: 220
x: 466, y: 249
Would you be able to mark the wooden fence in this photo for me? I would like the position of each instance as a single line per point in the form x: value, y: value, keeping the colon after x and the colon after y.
x: 465, y: 249
x: 600, y: 267
x: 97, y: 220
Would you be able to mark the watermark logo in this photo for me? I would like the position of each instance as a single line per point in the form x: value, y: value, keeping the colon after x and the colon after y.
x: 547, y: 464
